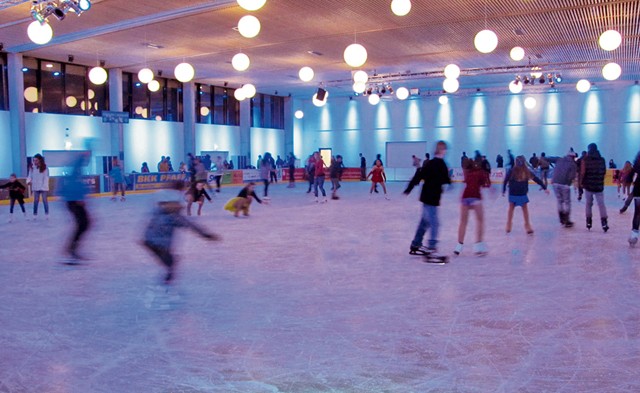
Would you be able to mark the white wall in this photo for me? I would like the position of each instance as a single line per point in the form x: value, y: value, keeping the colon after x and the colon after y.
x: 213, y: 137
x: 267, y: 140
x: 490, y: 123
x: 147, y: 141
x: 6, y: 166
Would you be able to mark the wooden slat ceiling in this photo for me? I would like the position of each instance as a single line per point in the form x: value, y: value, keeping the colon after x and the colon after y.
x: 560, y: 35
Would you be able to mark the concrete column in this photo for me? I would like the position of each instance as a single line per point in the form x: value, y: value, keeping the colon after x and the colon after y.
x: 189, y: 114
x: 16, y: 114
x: 115, y: 104
x: 245, y: 131
x: 288, y: 125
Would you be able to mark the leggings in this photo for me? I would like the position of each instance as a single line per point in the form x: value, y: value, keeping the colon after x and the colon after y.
x: 36, y: 201
x: 82, y: 223
x: 13, y: 202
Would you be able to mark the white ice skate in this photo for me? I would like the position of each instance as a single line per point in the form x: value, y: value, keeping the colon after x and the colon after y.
x: 480, y: 249
x: 458, y: 249
x: 633, y: 238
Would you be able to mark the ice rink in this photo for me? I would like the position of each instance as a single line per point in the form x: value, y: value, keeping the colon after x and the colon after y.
x: 305, y: 297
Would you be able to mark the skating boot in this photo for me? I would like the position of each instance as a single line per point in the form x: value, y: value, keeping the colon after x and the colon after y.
x: 589, y: 223
x: 480, y: 249
x: 10, y: 218
x: 458, y: 248
x: 420, y: 250
x: 605, y: 226
x: 562, y: 217
x: 633, y: 238
x: 26, y: 218
x: 567, y: 221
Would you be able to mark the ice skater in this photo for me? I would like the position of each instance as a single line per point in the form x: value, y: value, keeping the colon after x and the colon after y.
x: 74, y: 192
x: 518, y: 181
x: 592, y: 172
x: 196, y: 194
x: 265, y: 173
x: 39, y: 180
x: 335, y: 173
x: 635, y: 224
x: 158, y: 236
x: 563, y: 176
x: 118, y: 181
x: 16, y: 193
x: 378, y: 177
x: 242, y: 202
x: 310, y: 170
x: 319, y: 176
x: 475, y: 177
x: 434, y: 174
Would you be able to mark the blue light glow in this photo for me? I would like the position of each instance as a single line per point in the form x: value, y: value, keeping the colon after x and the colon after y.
x: 478, y: 114
x: 414, y: 117
x: 25, y: 69
x: 633, y: 103
x: 552, y: 113
x: 592, y: 111
x: 383, y: 120
x: 515, y: 110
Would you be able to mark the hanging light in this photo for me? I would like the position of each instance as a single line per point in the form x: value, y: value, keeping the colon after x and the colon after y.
x: 249, y: 26
x: 306, y: 74
x: 318, y: 102
x: 610, y: 40
x: 402, y: 93
x: 39, y: 33
x: 204, y: 111
x: 515, y: 87
x: 486, y: 41
x: 249, y: 90
x: 154, y: 85
x: 401, y: 7
x: 517, y: 53
x: 240, y: 62
x: 360, y: 76
x: 71, y: 101
x: 239, y: 94
x: 450, y: 85
x: 251, y: 5
x: 451, y: 71
x: 583, y: 86
x: 31, y: 94
x: 145, y: 75
x: 355, y: 55
x: 611, y: 71
x: 359, y: 87
x: 184, y: 72
x: 374, y: 99
x: 97, y: 75
x: 299, y: 114
x: 443, y: 100
x: 530, y: 103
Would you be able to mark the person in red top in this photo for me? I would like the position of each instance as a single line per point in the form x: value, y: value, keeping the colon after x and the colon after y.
x: 475, y: 178
x: 378, y: 176
x: 319, y: 177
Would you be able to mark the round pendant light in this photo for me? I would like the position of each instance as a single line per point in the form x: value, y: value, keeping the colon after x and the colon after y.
x: 402, y: 93
x: 360, y: 76
x: 517, y: 53
x: 98, y: 75
x: 240, y: 62
x: 401, y: 7
x: 204, y: 111
x: 239, y: 94
x: 251, y: 5
x: 355, y: 55
x: 306, y: 74
x: 145, y: 75
x: 249, y: 90
x: 450, y: 85
x: 154, y: 85
x: 299, y: 114
x: 514, y: 87
x: 443, y: 100
x: 610, y: 40
x: 184, y: 72
x: 39, y: 33
x: 249, y: 26
x: 611, y: 71
x: 486, y: 41
x: 359, y: 87
x: 374, y: 99
x: 451, y: 71
x: 583, y: 86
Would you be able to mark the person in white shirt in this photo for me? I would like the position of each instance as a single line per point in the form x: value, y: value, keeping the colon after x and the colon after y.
x: 39, y: 180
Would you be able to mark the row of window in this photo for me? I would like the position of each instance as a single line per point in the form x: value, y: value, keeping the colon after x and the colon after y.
x: 54, y: 87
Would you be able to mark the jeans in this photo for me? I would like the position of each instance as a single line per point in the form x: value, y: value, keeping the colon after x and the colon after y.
x: 429, y: 219
x: 319, y: 182
x: 589, y: 203
x: 563, y: 195
x: 36, y: 201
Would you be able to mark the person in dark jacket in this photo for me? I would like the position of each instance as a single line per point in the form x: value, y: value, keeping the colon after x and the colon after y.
x: 435, y: 174
x: 335, y: 173
x: 499, y: 161
x: 196, y: 194
x: 563, y: 176
x: 16, y: 193
x: 592, y: 171
x: 74, y: 192
x: 518, y: 180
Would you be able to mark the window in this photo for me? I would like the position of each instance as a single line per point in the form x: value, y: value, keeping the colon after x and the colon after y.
x: 142, y: 103
x: 4, y: 91
x: 217, y: 105
x: 267, y: 111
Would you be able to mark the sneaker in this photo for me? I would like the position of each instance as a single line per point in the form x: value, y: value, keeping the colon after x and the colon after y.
x: 480, y: 249
x: 458, y: 249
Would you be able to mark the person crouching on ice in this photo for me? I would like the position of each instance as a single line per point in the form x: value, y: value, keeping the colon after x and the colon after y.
x: 243, y: 200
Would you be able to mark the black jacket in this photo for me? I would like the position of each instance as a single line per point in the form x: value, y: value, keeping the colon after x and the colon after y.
x: 435, y: 174
x: 592, y: 171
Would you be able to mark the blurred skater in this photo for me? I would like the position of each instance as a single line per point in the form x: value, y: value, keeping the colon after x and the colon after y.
x: 118, y: 181
x: 73, y: 193
x: 335, y: 173
x: 475, y: 177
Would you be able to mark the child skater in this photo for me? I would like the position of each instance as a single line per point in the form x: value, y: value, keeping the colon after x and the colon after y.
x: 243, y: 200
x: 196, y: 193
x: 518, y: 180
x: 165, y: 219
x: 378, y: 176
x: 475, y: 177
x: 435, y: 174
x: 16, y: 193
x: 117, y: 180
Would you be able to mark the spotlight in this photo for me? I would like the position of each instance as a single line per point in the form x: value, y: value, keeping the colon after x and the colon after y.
x: 60, y: 12
x: 70, y: 58
x: 526, y: 80
x: 84, y: 5
x: 369, y: 91
x: 159, y: 73
x: 552, y: 83
x: 558, y: 78
x: 320, y: 94
x: 542, y: 80
x: 102, y: 63
x: 390, y: 89
x: 225, y: 84
x: 383, y: 90
x: 517, y: 80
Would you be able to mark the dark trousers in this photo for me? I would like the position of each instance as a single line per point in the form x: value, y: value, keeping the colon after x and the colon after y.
x: 266, y: 187
x: 13, y: 202
x: 82, y: 224
x: 273, y: 176
x: 636, y: 214
x: 218, y: 181
x: 363, y: 173
x: 165, y: 257
x: 292, y: 170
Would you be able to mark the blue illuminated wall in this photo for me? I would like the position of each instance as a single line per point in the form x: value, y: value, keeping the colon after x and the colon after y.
x: 267, y: 140
x: 147, y: 141
x: 491, y: 123
x: 210, y: 137
x: 5, y: 145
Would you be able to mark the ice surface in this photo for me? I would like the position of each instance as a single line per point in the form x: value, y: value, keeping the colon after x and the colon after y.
x: 306, y: 297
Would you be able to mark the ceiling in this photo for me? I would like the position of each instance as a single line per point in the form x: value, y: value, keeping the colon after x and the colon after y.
x: 557, y: 35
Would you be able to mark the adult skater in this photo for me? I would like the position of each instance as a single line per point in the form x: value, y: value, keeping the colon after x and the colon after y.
x: 220, y: 167
x: 165, y: 219
x: 474, y: 178
x: 265, y: 173
x: 16, y: 193
x: 196, y: 194
x: 39, y: 180
x: 242, y: 202
x: 117, y: 180
x: 363, y: 168
x: 563, y: 176
x: 73, y: 193
x: 592, y: 173
x: 291, y: 162
x: 635, y: 224
x: 335, y: 173
x: 378, y: 177
x: 319, y: 177
x: 518, y: 181
x: 434, y: 175
x: 310, y: 169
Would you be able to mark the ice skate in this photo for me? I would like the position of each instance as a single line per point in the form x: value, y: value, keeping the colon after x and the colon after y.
x: 589, y: 223
x: 10, y: 220
x: 458, y: 249
x: 387, y: 197
x: 633, y: 238
x: 122, y: 199
x: 421, y: 250
x: 480, y: 249
x: 434, y: 257
x: 605, y: 225
x: 567, y: 221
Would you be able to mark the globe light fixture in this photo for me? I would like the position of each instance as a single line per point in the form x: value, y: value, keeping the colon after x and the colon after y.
x: 451, y: 71
x: 530, y: 103
x: 204, y: 111
x: 251, y: 5
x: 98, y: 75
x: 402, y: 93
x: 486, y: 41
x: 240, y: 62
x: 184, y: 72
x: 610, y: 40
x: 443, y: 100
x: 31, y: 94
x: 249, y: 26
x: 317, y: 102
x: 39, y: 33
x: 517, y: 53
x: 239, y: 94
x: 306, y: 74
x: 611, y: 71
x: 359, y: 87
x: 71, y: 101
x: 514, y: 87
x: 360, y: 76
x: 249, y: 90
x: 355, y: 55
x: 299, y: 114
x: 450, y: 85
x: 374, y: 99
x: 145, y: 75
x: 583, y: 86
x: 153, y: 86
x: 400, y: 7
